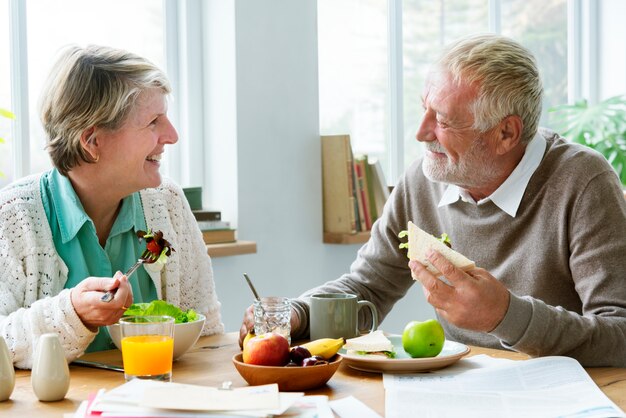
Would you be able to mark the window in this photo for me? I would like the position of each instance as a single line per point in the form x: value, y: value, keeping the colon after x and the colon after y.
x: 362, y: 43
x: 49, y: 27
x: 353, y: 72
x: 5, y: 93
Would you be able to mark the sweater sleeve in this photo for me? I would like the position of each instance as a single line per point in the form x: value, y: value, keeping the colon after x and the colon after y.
x: 201, y: 290
x: 187, y: 279
x: 32, y: 299
x: 597, y: 337
x: 22, y: 328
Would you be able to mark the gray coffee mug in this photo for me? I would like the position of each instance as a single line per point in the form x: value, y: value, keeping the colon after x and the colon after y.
x: 334, y: 315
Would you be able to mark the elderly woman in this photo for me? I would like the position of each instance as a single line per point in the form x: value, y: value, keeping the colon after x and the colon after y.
x: 66, y: 235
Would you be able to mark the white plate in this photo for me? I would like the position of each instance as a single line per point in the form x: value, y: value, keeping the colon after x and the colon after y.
x: 403, y: 363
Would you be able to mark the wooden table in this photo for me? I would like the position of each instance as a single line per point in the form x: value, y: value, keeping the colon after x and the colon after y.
x: 209, y: 363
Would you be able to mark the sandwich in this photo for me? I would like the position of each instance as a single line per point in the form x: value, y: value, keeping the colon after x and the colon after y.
x: 372, y: 344
x: 421, y: 241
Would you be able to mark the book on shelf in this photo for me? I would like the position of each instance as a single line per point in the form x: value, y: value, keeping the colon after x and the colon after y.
x: 354, y: 187
x: 337, y: 184
x: 361, y: 175
x: 211, y: 225
x: 207, y: 215
x: 374, y: 212
x: 218, y: 236
x: 357, y: 203
x: 379, y: 185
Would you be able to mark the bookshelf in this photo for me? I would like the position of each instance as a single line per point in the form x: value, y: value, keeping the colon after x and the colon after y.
x: 231, y: 248
x: 343, y: 238
x: 354, y: 192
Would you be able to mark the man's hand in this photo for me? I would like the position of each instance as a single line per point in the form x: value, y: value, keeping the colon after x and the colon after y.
x: 248, y: 323
x: 92, y: 311
x: 474, y: 300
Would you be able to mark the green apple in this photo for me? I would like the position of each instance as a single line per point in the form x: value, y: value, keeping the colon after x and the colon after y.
x: 423, y: 339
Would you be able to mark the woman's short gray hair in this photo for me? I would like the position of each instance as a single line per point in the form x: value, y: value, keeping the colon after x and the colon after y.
x: 94, y: 86
x: 507, y: 78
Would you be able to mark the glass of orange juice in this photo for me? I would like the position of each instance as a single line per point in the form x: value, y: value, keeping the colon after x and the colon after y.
x: 147, y: 347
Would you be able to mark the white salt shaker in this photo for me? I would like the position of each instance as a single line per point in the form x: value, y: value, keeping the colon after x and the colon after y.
x: 7, y: 372
x: 50, y: 376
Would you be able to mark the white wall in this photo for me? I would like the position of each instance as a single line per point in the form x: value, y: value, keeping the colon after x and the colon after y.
x: 274, y: 134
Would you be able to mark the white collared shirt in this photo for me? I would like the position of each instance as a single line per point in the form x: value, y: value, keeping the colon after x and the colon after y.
x: 509, y: 195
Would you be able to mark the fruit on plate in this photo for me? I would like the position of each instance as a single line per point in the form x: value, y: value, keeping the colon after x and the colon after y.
x: 268, y: 349
x: 325, y: 347
x: 423, y: 339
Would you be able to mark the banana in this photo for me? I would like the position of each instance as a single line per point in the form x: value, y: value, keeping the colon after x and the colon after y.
x: 325, y: 347
x: 249, y: 335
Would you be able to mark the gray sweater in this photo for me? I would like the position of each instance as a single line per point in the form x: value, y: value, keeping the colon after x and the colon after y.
x: 563, y: 257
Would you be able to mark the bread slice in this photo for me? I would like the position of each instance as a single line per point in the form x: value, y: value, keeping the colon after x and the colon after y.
x: 372, y: 342
x: 420, y: 242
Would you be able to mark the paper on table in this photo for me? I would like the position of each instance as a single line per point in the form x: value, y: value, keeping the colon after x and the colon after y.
x: 541, y: 387
x: 203, y: 398
x: 138, y: 394
x: 352, y: 407
x: 313, y: 406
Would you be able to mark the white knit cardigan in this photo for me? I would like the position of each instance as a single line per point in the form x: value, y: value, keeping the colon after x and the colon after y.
x: 32, y: 274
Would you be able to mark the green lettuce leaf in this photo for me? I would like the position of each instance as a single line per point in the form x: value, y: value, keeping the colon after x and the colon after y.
x: 160, y: 307
x: 389, y: 354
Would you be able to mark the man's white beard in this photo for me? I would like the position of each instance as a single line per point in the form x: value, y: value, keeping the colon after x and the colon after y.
x: 474, y: 169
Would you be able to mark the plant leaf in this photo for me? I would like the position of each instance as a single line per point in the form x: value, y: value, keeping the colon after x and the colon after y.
x: 601, y: 127
x: 6, y: 113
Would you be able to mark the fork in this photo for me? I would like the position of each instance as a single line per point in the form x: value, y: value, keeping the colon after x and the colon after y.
x: 147, y: 257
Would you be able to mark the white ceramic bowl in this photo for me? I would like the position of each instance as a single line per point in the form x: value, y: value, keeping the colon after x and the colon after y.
x: 185, y: 335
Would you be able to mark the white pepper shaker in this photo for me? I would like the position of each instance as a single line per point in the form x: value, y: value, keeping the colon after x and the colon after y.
x: 50, y: 376
x: 7, y: 372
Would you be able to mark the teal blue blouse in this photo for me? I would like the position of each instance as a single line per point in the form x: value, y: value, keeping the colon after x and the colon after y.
x: 75, y: 239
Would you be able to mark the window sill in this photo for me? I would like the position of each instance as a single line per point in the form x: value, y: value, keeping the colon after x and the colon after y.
x: 231, y: 248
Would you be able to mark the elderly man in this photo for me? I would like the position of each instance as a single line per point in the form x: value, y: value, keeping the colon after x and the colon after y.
x: 546, y: 219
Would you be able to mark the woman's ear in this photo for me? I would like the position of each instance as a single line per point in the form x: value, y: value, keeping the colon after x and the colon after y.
x: 510, y: 134
x: 89, y: 143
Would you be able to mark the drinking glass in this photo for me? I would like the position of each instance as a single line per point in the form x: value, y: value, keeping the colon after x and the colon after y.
x: 147, y: 347
x: 273, y: 314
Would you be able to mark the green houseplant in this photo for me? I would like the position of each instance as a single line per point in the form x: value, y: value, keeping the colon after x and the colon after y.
x: 601, y: 126
x: 5, y: 113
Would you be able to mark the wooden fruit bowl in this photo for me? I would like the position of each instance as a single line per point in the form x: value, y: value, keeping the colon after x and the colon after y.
x: 289, y: 379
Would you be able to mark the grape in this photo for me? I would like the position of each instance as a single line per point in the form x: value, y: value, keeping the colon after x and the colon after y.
x: 313, y: 361
x: 298, y: 353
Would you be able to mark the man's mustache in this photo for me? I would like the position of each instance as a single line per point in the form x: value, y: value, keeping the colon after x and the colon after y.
x: 435, y: 147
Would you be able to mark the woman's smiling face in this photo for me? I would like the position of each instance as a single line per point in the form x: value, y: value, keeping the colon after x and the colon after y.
x: 130, y: 156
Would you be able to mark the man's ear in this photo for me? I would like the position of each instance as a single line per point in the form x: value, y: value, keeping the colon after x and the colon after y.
x: 509, y: 134
x: 89, y: 142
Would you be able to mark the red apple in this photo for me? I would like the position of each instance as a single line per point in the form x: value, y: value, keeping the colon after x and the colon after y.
x: 267, y: 350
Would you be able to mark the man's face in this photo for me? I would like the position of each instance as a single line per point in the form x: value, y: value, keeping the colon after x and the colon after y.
x: 456, y: 153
